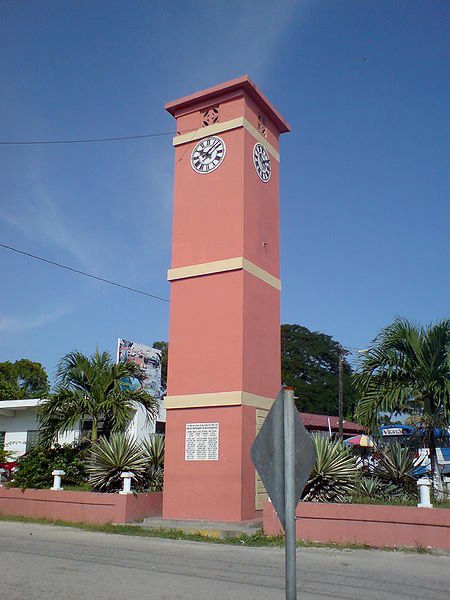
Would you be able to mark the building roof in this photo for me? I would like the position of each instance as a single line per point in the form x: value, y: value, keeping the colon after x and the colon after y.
x: 8, y: 407
x: 240, y: 83
x: 320, y: 423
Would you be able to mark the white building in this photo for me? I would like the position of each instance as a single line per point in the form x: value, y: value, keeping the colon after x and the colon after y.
x: 19, y: 426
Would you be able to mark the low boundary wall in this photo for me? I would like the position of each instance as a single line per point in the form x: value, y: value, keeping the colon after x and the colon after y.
x: 79, y: 507
x: 368, y: 524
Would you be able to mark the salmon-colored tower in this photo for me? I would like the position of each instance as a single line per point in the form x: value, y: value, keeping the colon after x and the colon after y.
x: 224, y: 341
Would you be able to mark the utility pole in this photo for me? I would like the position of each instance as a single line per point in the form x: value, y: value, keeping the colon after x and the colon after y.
x: 341, y: 392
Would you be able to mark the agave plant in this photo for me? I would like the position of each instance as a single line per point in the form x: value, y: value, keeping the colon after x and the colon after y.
x: 397, y: 465
x: 334, y: 473
x: 370, y: 487
x: 153, y: 449
x: 374, y: 488
x: 109, y: 458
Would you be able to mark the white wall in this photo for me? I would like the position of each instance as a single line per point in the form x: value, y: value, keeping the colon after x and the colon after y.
x: 139, y: 428
x: 162, y: 410
x: 16, y: 428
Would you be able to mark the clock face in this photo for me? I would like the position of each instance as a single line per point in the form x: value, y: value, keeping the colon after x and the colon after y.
x: 208, y: 154
x: 261, y: 160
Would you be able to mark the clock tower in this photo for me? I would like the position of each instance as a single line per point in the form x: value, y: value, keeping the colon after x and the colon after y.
x: 224, y: 339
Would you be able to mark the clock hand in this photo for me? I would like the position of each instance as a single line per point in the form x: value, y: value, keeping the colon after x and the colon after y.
x: 208, y: 152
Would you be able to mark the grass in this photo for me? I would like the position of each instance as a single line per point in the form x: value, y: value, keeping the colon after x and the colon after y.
x: 396, y: 502
x: 82, y: 487
x: 255, y: 540
x: 445, y: 504
x: 384, y: 501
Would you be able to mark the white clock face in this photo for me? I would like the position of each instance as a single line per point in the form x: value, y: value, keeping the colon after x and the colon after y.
x: 208, y: 154
x: 261, y: 160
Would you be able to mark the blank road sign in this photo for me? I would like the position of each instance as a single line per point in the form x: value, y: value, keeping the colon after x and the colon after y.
x: 268, y: 455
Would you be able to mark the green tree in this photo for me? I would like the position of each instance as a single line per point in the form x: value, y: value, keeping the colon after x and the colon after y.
x: 90, y: 387
x: 407, y: 369
x: 164, y: 347
x: 23, y: 379
x: 309, y: 364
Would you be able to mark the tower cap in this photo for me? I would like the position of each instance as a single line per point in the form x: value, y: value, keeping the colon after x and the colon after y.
x: 243, y: 83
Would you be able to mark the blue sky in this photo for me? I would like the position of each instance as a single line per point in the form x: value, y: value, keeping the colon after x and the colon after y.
x: 364, y: 192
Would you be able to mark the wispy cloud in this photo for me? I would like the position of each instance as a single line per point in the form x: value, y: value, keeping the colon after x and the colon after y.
x: 16, y: 324
x: 39, y: 217
x: 246, y: 38
x: 7, y: 218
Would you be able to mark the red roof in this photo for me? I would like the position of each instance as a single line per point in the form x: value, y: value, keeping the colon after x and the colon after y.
x: 314, y: 422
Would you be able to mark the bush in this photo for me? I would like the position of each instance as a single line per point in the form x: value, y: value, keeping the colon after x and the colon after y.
x: 373, y: 490
x: 109, y: 458
x: 34, y: 469
x: 4, y: 455
x: 334, y: 473
x: 396, y: 466
x: 154, y: 449
x: 390, y: 477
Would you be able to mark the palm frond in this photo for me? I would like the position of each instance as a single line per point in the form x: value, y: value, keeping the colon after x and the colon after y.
x: 92, y: 387
x: 406, y: 365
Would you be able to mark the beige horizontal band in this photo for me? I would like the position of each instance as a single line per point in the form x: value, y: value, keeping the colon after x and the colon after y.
x: 218, y: 399
x: 216, y: 128
x: 261, y: 274
x: 221, y: 266
x: 261, y: 139
x: 217, y: 266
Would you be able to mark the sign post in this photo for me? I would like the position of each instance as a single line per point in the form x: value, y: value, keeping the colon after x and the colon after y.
x: 283, y: 455
x: 290, y: 502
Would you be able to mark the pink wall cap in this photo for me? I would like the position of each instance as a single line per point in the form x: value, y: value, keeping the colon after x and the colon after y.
x: 241, y: 83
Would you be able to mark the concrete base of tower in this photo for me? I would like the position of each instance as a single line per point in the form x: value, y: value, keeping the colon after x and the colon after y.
x: 208, y: 471
x: 212, y: 529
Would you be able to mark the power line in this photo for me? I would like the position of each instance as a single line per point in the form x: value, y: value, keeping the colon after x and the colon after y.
x: 51, y: 262
x: 85, y: 141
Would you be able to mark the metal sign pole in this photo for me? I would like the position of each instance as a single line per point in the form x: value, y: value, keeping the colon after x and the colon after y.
x: 289, y: 494
x: 283, y: 454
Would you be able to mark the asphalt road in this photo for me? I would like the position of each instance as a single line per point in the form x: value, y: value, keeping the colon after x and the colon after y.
x: 40, y: 562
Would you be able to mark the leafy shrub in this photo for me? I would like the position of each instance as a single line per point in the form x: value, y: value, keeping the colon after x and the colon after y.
x: 109, y: 458
x: 34, y: 469
x: 396, y: 466
x: 372, y: 489
x: 4, y: 455
x: 153, y: 449
x: 334, y: 473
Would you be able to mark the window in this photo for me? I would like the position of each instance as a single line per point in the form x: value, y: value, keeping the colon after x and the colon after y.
x: 2, y: 440
x: 32, y: 439
x: 160, y: 427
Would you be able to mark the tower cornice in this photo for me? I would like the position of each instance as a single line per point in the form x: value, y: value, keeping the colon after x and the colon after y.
x: 242, y: 85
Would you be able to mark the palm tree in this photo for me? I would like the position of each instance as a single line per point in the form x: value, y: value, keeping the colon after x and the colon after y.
x: 407, y: 368
x: 91, y: 387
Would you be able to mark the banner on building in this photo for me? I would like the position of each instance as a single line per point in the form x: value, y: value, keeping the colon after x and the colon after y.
x: 148, y: 359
